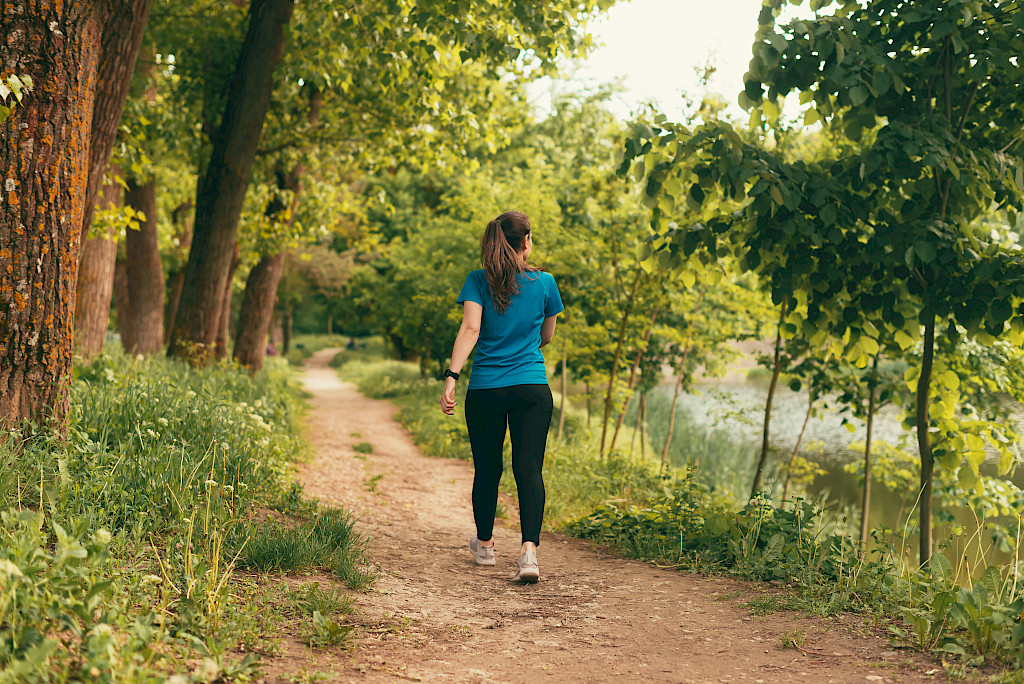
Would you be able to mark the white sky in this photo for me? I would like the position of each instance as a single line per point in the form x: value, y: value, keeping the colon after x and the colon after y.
x: 654, y: 46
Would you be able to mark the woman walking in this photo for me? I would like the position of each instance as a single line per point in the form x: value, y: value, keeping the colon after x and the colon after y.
x: 509, y: 311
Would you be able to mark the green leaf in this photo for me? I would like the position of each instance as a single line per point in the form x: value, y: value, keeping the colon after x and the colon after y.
x: 840, y: 53
x: 858, y: 95
x: 925, y: 251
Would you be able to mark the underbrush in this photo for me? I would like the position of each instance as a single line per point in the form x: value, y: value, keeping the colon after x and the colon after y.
x: 120, y: 542
x: 680, y: 520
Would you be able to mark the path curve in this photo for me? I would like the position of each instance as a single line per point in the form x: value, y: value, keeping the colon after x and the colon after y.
x: 435, y: 616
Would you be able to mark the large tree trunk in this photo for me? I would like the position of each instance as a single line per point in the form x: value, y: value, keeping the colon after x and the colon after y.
x: 776, y: 369
x: 122, y: 36
x: 221, y: 190
x: 224, y: 321
x: 96, y: 283
x: 286, y: 331
x: 144, y: 272
x: 257, y: 311
x: 924, y: 443
x: 44, y: 167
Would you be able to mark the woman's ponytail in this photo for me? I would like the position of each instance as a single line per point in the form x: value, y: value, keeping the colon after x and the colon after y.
x: 499, y: 251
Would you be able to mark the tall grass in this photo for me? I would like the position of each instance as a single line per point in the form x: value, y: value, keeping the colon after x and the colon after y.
x: 137, y: 518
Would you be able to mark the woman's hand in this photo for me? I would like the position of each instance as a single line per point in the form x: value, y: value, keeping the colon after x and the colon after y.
x: 448, y: 396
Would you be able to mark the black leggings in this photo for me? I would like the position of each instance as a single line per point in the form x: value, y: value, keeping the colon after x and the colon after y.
x: 526, y: 409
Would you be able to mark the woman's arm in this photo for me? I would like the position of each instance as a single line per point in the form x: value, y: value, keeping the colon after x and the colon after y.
x: 469, y: 332
x: 547, y: 330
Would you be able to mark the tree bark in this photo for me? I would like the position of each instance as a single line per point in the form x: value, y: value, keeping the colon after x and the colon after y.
x: 257, y: 311
x: 924, y: 443
x: 221, y: 190
x: 220, y: 350
x: 768, y: 405
x: 865, y: 504
x: 144, y: 272
x: 643, y: 425
x: 96, y: 283
x: 119, y: 50
x: 618, y: 356
x: 44, y: 169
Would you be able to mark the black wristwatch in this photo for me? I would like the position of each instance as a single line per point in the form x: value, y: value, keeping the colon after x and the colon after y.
x: 449, y: 373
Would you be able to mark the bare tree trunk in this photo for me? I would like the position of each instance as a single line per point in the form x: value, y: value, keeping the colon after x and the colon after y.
x: 633, y: 376
x: 44, y: 169
x: 257, y: 311
x: 145, y: 272
x: 777, y: 368
x: 286, y: 330
x: 865, y: 504
x: 627, y: 310
x: 636, y: 429
x: 924, y: 441
x: 796, y: 449
x: 96, y: 283
x: 221, y: 190
x: 565, y: 392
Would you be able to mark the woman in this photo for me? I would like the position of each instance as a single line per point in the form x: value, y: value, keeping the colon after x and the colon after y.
x: 509, y: 311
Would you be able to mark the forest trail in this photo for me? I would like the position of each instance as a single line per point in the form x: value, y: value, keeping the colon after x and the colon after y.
x: 435, y: 616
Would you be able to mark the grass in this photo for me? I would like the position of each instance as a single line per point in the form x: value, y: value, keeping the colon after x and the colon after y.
x: 120, y: 543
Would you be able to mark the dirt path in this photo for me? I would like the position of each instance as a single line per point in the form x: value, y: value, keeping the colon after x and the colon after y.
x: 436, y: 616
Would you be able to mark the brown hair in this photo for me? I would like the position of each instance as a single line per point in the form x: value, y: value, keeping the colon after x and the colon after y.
x: 499, y: 250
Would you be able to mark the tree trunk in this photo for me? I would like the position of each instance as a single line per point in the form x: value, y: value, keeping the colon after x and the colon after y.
x: 257, y: 311
x: 220, y: 351
x: 636, y: 429
x: 618, y: 356
x: 565, y: 391
x: 286, y: 331
x: 44, y: 168
x: 796, y: 449
x: 924, y: 441
x: 865, y: 504
x: 588, y: 405
x: 144, y: 272
x: 176, y: 276
x: 221, y: 190
x: 122, y: 37
x: 643, y: 425
x: 768, y: 405
x: 123, y: 305
x: 96, y: 283
x: 632, y: 378
x: 330, y: 325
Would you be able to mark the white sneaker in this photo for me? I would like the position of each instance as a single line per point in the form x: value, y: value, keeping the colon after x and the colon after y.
x: 483, y: 555
x: 527, y: 571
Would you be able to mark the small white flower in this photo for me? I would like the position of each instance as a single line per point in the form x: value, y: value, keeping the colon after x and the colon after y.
x: 102, y: 537
x: 187, y: 521
x: 102, y: 629
x: 224, y: 446
x: 163, y: 421
x: 228, y: 488
x: 211, y: 483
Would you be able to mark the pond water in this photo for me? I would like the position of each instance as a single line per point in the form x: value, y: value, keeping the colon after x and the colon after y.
x: 737, y: 408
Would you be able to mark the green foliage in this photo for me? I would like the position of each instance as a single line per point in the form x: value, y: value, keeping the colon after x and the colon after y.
x: 14, y: 86
x: 363, y: 448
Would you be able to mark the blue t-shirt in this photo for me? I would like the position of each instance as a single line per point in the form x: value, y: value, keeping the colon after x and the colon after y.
x: 508, y: 349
